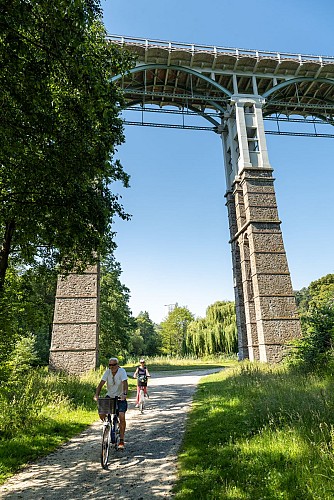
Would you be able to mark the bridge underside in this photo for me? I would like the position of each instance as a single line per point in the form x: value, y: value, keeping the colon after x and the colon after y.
x: 198, y: 79
x: 237, y: 91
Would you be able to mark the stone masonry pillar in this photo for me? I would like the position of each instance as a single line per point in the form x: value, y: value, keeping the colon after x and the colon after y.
x: 260, y: 266
x: 74, y: 344
x: 238, y: 288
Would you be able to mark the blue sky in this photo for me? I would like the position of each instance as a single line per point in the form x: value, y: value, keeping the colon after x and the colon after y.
x: 175, y: 249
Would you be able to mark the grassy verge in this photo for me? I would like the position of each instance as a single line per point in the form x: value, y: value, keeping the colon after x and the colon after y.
x: 67, y: 408
x: 259, y: 432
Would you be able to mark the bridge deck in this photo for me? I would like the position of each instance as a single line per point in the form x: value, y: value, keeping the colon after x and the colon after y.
x: 182, y: 74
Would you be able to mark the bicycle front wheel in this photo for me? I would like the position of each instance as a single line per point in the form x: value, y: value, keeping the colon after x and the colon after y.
x: 105, y: 446
x: 141, y: 402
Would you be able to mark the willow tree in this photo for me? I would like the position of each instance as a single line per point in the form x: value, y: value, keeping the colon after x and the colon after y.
x: 199, y: 338
x: 58, y: 133
x: 215, y: 333
x: 221, y: 320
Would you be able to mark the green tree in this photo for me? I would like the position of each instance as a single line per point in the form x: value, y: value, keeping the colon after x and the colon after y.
x: 322, y: 290
x: 197, y: 338
x: 303, y: 298
x: 116, y: 321
x: 315, y: 350
x: 58, y: 133
x: 136, y: 344
x: 174, y: 331
x: 26, y: 308
x: 221, y: 320
x: 215, y: 333
x: 148, y: 332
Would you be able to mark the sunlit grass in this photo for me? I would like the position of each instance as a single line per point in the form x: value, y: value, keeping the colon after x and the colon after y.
x: 259, y: 432
x: 67, y: 410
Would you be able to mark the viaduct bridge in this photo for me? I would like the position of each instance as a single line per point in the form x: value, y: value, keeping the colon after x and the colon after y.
x: 235, y: 92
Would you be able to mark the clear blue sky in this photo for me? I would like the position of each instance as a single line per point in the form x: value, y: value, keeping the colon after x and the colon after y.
x: 175, y: 248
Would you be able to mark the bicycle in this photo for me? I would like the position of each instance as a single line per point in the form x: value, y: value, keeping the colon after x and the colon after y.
x: 111, y: 431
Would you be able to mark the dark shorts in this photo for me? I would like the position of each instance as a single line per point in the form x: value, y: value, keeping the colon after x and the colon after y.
x: 122, y: 406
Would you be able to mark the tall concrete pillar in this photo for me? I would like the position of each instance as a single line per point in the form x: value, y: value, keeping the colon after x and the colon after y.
x: 74, y: 344
x: 263, y: 277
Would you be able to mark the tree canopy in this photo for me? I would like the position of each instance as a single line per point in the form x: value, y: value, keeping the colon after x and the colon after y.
x: 116, y: 321
x: 146, y: 329
x: 315, y: 350
x: 216, y: 333
x: 58, y: 134
x: 174, y: 331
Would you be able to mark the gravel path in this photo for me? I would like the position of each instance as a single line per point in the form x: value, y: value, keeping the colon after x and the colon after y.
x: 146, y: 469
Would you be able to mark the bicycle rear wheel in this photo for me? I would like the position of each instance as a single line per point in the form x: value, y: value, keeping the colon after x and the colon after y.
x: 105, y: 445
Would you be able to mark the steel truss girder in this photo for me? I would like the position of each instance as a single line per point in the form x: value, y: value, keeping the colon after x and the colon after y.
x: 216, y: 129
x: 169, y: 125
x: 180, y: 75
x: 193, y: 113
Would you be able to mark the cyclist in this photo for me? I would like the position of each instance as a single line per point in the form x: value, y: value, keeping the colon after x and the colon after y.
x: 141, y: 374
x: 117, y: 385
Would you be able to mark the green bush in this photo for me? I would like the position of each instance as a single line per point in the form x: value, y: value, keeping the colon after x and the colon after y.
x: 315, y: 350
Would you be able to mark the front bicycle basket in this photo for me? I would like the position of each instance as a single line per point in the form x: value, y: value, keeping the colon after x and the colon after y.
x: 106, y: 405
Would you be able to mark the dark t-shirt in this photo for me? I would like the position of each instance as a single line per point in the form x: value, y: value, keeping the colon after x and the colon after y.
x: 141, y: 376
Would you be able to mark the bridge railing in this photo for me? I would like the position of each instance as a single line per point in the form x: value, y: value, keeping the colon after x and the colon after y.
x: 216, y: 50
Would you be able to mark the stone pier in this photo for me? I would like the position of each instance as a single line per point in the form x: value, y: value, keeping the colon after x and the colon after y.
x: 74, y: 345
x: 267, y: 317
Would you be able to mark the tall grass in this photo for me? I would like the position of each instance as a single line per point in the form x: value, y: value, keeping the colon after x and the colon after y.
x: 259, y: 432
x: 43, y: 411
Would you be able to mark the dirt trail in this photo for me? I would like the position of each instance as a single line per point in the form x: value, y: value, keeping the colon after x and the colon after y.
x: 146, y: 469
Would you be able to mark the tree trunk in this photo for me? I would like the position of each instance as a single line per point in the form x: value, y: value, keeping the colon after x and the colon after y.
x: 5, y: 250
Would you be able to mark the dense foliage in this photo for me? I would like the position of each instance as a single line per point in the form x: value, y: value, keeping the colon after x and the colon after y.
x: 26, y: 309
x: 116, y: 321
x: 58, y: 133
x: 174, y: 331
x: 146, y: 339
x: 215, y: 333
x: 315, y: 350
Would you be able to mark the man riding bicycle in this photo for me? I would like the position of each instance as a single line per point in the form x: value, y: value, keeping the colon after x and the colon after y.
x: 141, y: 374
x: 117, y: 385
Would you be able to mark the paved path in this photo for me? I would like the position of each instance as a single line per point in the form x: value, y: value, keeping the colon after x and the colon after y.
x: 146, y: 469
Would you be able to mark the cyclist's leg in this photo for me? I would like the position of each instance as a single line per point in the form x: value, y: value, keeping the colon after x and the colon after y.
x: 138, y: 394
x: 122, y: 407
x: 142, y: 400
x: 122, y: 424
